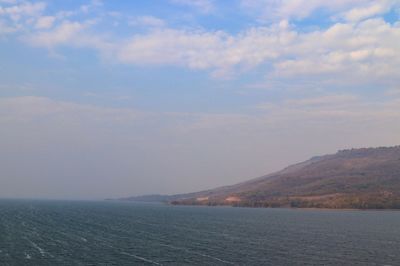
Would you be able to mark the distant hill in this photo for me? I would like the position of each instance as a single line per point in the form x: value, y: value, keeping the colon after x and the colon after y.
x: 149, y: 198
x: 367, y: 178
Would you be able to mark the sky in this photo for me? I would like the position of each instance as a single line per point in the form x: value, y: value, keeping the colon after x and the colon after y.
x: 104, y: 99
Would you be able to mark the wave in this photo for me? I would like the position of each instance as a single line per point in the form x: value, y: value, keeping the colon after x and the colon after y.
x: 198, y: 253
x: 38, y: 248
x: 141, y: 258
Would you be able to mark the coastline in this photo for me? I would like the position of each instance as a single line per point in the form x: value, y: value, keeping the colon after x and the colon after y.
x: 282, y: 207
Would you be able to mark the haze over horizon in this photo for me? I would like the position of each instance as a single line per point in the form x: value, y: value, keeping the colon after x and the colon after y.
x: 104, y: 99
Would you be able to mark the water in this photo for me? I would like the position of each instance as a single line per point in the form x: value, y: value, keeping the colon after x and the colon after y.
x: 118, y: 233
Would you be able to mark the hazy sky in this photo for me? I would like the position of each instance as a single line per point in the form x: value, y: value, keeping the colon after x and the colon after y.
x: 115, y: 98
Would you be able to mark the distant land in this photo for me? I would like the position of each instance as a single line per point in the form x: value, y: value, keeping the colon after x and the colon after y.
x: 367, y: 178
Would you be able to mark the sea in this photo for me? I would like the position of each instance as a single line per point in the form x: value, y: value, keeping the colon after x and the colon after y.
x: 39, y: 232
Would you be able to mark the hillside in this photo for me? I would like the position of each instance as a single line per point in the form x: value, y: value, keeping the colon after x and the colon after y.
x: 357, y: 178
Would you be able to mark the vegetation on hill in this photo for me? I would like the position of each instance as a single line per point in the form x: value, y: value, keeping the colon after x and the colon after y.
x: 367, y: 178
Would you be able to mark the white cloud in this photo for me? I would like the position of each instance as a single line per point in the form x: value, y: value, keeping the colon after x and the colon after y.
x: 365, y: 51
x: 204, y: 6
x: 192, y: 49
x: 26, y: 9
x: 217, y: 50
x: 16, y: 16
x: 63, y: 34
x: 44, y: 22
x: 270, y: 10
x: 372, y: 9
x: 91, y: 6
x: 5, y: 28
x: 68, y: 33
x: 8, y: 1
x: 360, y: 51
x: 147, y: 21
x: 357, y: 52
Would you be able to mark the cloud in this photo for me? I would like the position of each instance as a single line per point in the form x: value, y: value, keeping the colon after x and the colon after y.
x: 8, y: 1
x: 6, y: 29
x: 366, y: 50
x: 198, y: 49
x: 28, y: 17
x: 360, y: 49
x: 372, y: 9
x: 68, y: 33
x: 26, y: 9
x: 194, y: 49
x: 63, y: 34
x: 354, y: 51
x: 361, y: 52
x: 44, y: 22
x: 270, y: 10
x: 204, y: 6
x: 91, y: 6
x: 147, y: 21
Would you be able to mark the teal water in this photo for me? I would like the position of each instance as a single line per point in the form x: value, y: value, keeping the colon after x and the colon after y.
x: 118, y: 233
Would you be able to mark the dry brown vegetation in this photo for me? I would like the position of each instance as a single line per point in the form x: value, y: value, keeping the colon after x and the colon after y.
x: 358, y: 178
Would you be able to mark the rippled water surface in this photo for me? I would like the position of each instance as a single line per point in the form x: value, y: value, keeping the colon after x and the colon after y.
x: 124, y: 233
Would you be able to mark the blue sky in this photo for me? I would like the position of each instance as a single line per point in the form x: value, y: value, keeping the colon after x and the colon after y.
x: 173, y: 96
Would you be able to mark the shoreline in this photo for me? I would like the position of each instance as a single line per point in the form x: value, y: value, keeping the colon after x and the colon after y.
x: 287, y: 208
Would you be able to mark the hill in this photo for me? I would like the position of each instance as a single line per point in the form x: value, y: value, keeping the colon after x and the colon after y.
x: 367, y: 178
